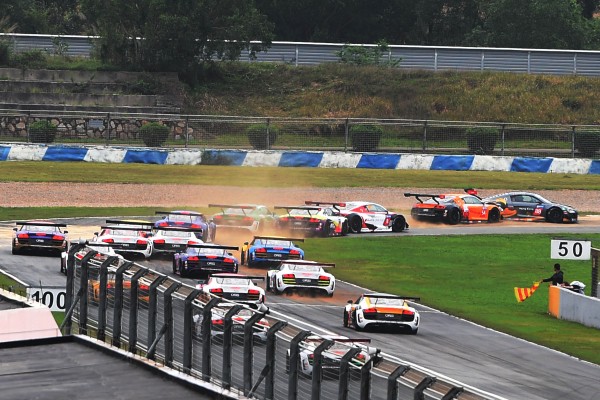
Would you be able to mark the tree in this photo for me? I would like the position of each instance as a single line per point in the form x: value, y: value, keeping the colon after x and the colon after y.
x: 177, y: 35
x: 544, y: 24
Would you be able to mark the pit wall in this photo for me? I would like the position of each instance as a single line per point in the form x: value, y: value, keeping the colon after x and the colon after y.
x: 317, y: 159
x: 568, y: 305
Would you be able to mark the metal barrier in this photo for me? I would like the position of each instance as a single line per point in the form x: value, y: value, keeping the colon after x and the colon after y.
x: 351, y: 134
x: 433, y: 58
x: 250, y: 353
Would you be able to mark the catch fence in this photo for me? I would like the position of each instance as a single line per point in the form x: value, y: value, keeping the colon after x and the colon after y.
x: 264, y: 133
x: 251, y: 353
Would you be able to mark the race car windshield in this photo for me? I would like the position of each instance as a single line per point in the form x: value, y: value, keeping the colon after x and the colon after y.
x: 237, y: 211
x: 282, y: 243
x: 178, y: 234
x: 121, y: 232
x: 209, y: 251
x: 40, y: 228
x: 305, y: 268
x: 181, y: 218
x: 302, y: 212
x: 233, y: 281
x: 383, y: 301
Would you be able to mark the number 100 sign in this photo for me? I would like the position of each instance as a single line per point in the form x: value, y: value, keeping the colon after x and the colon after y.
x: 564, y: 249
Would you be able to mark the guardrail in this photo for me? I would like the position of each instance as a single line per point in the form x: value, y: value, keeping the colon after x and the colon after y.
x: 247, y: 352
x: 350, y: 134
x: 433, y: 58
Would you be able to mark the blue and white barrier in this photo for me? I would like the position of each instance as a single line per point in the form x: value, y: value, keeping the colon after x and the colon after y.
x: 312, y: 159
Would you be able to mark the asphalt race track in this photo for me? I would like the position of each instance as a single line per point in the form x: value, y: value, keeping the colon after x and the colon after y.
x: 474, y: 355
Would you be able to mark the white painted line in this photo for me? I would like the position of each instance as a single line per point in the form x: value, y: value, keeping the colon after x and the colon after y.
x: 14, y: 278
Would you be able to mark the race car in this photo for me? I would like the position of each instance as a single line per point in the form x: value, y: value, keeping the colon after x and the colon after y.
x: 217, y: 324
x: 382, y: 310
x: 364, y: 216
x: 333, y: 355
x: 39, y: 235
x: 126, y: 236
x: 235, y: 287
x: 205, y: 259
x: 190, y: 220
x: 452, y: 208
x: 301, y: 275
x: 314, y: 218
x: 170, y: 240
x: 533, y: 207
x: 104, y: 251
x: 270, y: 250
x: 252, y: 217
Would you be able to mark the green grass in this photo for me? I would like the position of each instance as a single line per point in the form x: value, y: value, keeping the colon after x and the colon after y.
x: 36, y: 171
x: 470, y: 276
x: 9, y: 284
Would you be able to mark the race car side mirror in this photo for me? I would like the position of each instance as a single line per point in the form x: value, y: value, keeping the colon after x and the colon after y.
x: 246, y: 243
x: 95, y: 233
x: 350, y: 302
x: 65, y: 231
x: 15, y: 229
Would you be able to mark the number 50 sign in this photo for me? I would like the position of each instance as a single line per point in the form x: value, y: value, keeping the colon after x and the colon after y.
x: 570, y: 249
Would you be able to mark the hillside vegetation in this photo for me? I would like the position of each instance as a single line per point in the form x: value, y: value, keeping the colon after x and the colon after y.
x: 346, y: 91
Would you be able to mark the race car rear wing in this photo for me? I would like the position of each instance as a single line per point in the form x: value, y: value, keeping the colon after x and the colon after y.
x: 238, y: 206
x: 40, y: 223
x: 390, y: 296
x: 307, y: 262
x: 129, y: 222
x: 297, y: 208
x: 192, y: 213
x: 279, y: 238
x: 252, y: 277
x: 126, y: 228
x: 210, y: 246
x: 178, y: 229
x: 418, y: 196
x: 338, y: 339
x: 335, y: 205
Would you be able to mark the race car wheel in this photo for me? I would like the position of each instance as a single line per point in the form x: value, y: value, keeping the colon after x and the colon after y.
x: 205, y: 235
x: 345, y: 319
x: 355, y: 223
x: 326, y: 229
x: 355, y: 322
x: 554, y: 215
x: 494, y: 215
x: 14, y: 250
x: 413, y: 331
x: 345, y: 228
x: 453, y: 217
x: 398, y: 224
x: 63, y: 267
x: 174, y: 265
x: 268, y: 283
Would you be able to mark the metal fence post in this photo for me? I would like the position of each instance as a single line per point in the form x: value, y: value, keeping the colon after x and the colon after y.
x: 228, y: 344
x: 365, y: 380
x: 317, y: 371
x: 294, y: 357
x: 152, y: 308
x: 84, y: 285
x: 70, y: 294
x: 118, y: 311
x: 187, y: 136
x: 502, y: 133
x: 206, y: 337
x: 420, y: 388
x: 346, y: 134
x: 345, y: 372
x: 573, y: 142
x: 188, y: 320
x: 133, y: 309
x: 392, y: 390
x: 168, y: 318
x: 268, y: 134
x: 269, y: 370
x: 453, y: 393
x: 249, y: 350
x: 424, y: 145
x: 103, y: 297
x: 107, y: 129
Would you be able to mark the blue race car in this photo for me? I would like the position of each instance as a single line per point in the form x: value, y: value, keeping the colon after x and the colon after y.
x: 39, y: 235
x: 189, y: 220
x: 270, y: 250
x: 203, y: 260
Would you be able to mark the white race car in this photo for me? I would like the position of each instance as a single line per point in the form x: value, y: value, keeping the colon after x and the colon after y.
x: 333, y: 355
x: 301, y: 275
x: 126, y: 237
x: 174, y: 240
x: 217, y: 318
x: 235, y: 287
x: 364, y: 216
x: 104, y: 251
x: 382, y: 310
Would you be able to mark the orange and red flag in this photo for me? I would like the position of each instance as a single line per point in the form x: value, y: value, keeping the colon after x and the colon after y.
x: 523, y: 294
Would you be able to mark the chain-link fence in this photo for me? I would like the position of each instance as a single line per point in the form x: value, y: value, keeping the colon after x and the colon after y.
x: 348, y: 135
x: 252, y: 353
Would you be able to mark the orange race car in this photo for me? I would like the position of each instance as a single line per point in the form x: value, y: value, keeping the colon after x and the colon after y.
x: 454, y: 208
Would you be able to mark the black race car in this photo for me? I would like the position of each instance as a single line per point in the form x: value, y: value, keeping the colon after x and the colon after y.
x: 532, y: 206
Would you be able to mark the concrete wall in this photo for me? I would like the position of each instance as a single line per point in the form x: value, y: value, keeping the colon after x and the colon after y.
x: 571, y: 306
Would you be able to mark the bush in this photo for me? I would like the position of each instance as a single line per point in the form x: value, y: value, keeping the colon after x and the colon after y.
x: 5, y: 52
x: 154, y: 134
x: 587, y: 144
x: 42, y: 132
x: 365, y: 137
x: 481, y: 140
x: 30, y: 59
x: 257, y: 136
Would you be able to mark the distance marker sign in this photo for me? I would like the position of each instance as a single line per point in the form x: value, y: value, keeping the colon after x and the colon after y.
x: 564, y: 249
x: 52, y: 297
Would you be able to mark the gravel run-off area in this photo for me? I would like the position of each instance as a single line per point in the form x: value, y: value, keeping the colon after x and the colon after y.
x: 27, y: 194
